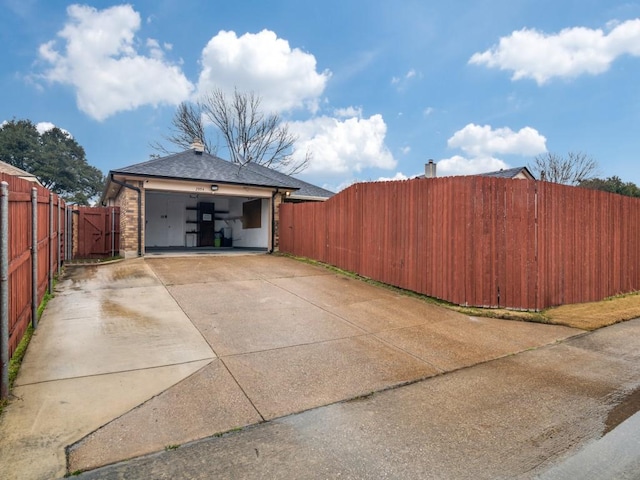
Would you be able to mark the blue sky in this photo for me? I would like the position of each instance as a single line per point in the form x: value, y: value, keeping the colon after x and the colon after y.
x: 373, y: 89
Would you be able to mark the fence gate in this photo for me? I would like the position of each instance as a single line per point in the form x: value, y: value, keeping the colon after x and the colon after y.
x: 97, y: 232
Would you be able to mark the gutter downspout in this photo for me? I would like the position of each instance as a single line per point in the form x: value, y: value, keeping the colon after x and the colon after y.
x: 136, y: 189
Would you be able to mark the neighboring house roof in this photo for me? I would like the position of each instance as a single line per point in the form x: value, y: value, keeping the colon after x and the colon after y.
x: 517, y: 172
x: 17, y: 172
x: 190, y: 165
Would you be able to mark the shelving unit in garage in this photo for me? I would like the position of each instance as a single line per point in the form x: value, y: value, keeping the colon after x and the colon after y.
x: 201, y: 231
x: 191, y: 232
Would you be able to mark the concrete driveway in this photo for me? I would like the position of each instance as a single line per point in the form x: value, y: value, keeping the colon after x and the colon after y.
x: 145, y: 355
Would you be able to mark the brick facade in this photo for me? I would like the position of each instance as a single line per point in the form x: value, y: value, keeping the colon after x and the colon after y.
x: 277, y: 201
x: 127, y: 200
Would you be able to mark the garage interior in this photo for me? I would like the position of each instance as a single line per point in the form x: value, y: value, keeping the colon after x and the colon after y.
x: 194, y: 221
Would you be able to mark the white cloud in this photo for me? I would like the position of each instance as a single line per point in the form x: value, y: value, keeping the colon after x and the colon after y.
x: 402, y: 82
x: 100, y: 61
x: 285, y: 78
x: 428, y: 111
x: 567, y: 54
x: 348, y: 112
x: 154, y: 49
x: 397, y: 176
x: 46, y: 126
x: 458, y: 165
x: 481, y: 144
x: 405, y: 150
x: 343, y: 146
x: 483, y: 141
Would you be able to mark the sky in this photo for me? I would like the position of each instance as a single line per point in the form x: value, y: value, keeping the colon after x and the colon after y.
x: 373, y: 89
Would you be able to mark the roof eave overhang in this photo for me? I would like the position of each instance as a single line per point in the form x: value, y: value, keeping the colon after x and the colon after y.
x: 203, y: 180
x: 112, y: 189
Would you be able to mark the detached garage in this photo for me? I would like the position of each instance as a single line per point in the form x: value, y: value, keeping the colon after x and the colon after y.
x: 194, y: 200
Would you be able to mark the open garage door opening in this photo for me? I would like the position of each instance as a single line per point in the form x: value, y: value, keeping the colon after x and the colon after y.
x: 201, y: 221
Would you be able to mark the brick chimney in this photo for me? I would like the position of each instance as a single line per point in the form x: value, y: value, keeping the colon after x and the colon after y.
x: 430, y: 169
x: 198, y: 146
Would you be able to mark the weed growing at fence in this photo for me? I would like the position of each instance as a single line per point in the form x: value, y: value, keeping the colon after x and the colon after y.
x: 47, y: 296
x: 15, y: 362
x: 21, y: 350
x: 18, y: 356
x: 74, y: 473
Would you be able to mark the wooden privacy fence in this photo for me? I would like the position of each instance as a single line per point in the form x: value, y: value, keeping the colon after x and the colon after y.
x: 31, y: 251
x: 96, y: 232
x: 477, y: 241
x: 33, y: 244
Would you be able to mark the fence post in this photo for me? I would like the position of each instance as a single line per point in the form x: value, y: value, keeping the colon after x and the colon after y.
x: 113, y: 235
x: 4, y: 289
x: 67, y: 255
x: 50, y: 241
x: 59, y: 246
x: 34, y: 257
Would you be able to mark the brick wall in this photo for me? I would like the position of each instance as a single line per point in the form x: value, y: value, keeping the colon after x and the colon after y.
x: 277, y: 201
x: 127, y: 200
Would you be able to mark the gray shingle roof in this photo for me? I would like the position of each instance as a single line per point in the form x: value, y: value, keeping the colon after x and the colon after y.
x: 190, y: 165
x: 506, y: 173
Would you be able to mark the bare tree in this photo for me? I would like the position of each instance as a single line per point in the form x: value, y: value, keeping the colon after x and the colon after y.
x: 187, y: 126
x: 569, y: 170
x: 249, y: 134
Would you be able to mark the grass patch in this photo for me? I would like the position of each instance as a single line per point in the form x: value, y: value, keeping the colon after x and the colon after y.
x: 47, y: 296
x: 594, y: 315
x: 501, y: 313
x: 171, y: 447
x: 585, y: 316
x: 74, y: 473
x: 15, y: 362
x: 18, y: 356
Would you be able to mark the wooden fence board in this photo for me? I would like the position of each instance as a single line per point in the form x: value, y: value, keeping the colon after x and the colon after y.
x: 20, y: 242
x: 476, y: 240
x: 95, y: 228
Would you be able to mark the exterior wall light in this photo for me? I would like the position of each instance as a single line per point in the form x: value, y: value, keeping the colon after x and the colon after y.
x: 214, y: 188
